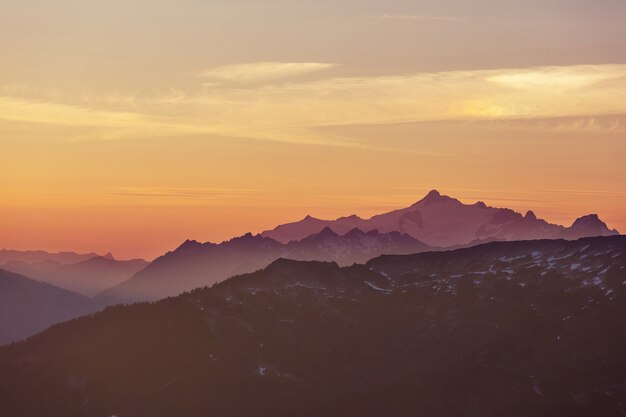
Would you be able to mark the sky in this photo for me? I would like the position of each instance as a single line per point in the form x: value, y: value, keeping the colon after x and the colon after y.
x: 130, y: 126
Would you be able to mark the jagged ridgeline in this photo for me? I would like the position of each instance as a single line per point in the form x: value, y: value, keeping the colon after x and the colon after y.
x: 529, y: 328
x: 433, y: 223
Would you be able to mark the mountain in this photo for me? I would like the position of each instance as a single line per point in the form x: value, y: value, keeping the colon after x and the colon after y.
x: 28, y: 306
x: 525, y: 328
x: 195, y: 264
x: 439, y: 220
x: 63, y: 258
x: 355, y: 246
x: 87, y: 277
x: 589, y: 225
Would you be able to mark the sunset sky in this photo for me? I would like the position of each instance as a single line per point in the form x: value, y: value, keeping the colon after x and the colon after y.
x: 131, y: 125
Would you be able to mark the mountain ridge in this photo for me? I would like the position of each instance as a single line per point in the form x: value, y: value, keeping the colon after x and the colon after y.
x: 440, y: 220
x: 194, y: 264
x: 504, y: 328
x: 28, y: 306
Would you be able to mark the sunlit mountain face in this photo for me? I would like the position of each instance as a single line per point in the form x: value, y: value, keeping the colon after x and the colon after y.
x: 312, y: 208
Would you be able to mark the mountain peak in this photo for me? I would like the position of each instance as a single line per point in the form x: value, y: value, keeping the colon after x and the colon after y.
x: 327, y: 232
x: 432, y: 195
x: 530, y: 215
x: 351, y: 217
x: 355, y: 232
x: 189, y: 243
x: 588, y: 220
x: 435, y: 196
x: 588, y: 225
x: 109, y: 256
x: 247, y: 237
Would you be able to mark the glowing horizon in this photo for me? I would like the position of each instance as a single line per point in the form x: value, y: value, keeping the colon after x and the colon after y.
x: 131, y: 127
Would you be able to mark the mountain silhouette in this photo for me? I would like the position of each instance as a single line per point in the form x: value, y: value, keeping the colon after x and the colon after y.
x: 589, y: 225
x: 435, y: 222
x: 28, y: 306
x: 524, y: 328
x: 35, y: 256
x: 195, y: 264
x: 439, y: 220
x: 87, y: 277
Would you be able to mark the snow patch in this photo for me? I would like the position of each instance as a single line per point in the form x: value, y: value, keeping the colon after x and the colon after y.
x: 299, y: 284
x: 375, y: 287
x: 511, y: 259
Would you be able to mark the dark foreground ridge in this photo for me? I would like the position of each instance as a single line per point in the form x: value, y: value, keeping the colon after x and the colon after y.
x: 533, y: 328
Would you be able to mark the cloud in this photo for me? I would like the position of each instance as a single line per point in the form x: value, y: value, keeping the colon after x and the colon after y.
x: 421, y: 17
x: 185, y: 192
x: 101, y: 124
x: 558, y: 78
x: 257, y: 72
x: 568, y: 97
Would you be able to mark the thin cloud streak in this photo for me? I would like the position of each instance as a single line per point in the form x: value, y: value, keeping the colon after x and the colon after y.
x: 185, y: 192
x: 296, y: 112
x: 263, y: 71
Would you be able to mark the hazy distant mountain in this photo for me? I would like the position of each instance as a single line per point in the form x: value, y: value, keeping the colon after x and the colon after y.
x: 196, y: 264
x: 87, y: 277
x: 439, y: 220
x: 28, y: 306
x: 355, y: 246
x: 517, y: 329
x: 35, y: 256
x: 589, y: 225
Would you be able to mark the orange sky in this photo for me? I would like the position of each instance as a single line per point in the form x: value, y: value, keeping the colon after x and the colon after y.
x: 129, y: 127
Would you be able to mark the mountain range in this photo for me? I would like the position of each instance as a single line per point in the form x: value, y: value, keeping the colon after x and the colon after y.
x: 35, y: 256
x: 433, y: 223
x: 109, y: 281
x: 39, y: 289
x: 524, y: 328
x: 195, y: 264
x: 87, y: 277
x: 28, y: 306
x: 439, y: 220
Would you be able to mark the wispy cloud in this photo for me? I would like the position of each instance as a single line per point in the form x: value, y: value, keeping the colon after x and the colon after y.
x: 263, y: 71
x: 558, y: 78
x: 296, y: 111
x: 185, y: 192
x: 421, y: 17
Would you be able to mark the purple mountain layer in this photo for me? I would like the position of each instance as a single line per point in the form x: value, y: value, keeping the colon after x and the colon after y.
x: 439, y: 220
